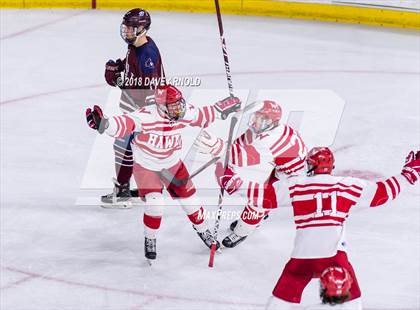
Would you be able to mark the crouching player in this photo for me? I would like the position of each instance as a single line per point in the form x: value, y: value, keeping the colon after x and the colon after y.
x: 268, y: 146
x: 321, y: 203
x: 157, y: 146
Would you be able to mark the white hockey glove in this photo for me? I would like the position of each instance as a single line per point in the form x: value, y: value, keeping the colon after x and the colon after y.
x: 207, y: 143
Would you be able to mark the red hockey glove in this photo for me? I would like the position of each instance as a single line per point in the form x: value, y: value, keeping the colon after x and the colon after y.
x: 411, y: 169
x: 227, y: 179
x: 208, y: 143
x: 113, y: 71
x: 227, y: 106
x: 95, y: 119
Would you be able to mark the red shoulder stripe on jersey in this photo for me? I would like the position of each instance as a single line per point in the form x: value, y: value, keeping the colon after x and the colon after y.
x: 391, y: 186
x: 296, y: 167
x: 290, y: 154
x: 121, y: 126
x: 323, y: 185
x: 324, y: 190
x: 281, y: 139
x: 206, y: 115
x: 213, y: 114
x: 287, y: 143
x: 398, y: 184
x: 199, y: 119
x: 117, y: 121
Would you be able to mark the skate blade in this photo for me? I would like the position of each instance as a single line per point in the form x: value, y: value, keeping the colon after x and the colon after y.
x: 149, y: 262
x: 118, y: 205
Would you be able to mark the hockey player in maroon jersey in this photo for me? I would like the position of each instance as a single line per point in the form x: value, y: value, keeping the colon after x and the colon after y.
x: 157, y: 145
x: 321, y: 203
x: 137, y: 75
x: 267, y: 145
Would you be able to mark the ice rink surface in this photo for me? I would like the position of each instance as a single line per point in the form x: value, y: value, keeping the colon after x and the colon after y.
x: 59, y: 255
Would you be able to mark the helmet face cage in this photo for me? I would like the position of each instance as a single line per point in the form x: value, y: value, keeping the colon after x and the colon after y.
x: 259, y: 122
x: 135, y: 24
x: 175, y: 110
x: 130, y: 33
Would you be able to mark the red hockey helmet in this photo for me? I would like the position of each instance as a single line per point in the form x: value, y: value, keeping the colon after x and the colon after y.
x: 170, y: 102
x: 135, y: 23
x: 320, y: 160
x: 266, y: 118
x: 335, y: 285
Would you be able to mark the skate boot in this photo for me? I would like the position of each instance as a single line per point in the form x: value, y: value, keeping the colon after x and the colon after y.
x: 150, y: 248
x: 233, y: 240
x: 235, y: 223
x: 207, y: 238
x: 119, y: 198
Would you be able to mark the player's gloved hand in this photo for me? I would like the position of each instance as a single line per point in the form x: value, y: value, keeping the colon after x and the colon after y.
x: 95, y: 119
x: 227, y: 106
x: 411, y: 169
x: 113, y: 71
x: 208, y: 143
x: 227, y: 178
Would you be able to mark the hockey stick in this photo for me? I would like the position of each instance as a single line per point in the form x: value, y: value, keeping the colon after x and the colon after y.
x: 233, y: 122
x: 221, y: 193
x: 180, y: 182
x: 224, y: 49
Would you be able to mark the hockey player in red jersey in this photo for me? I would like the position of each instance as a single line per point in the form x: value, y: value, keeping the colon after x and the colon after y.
x: 137, y: 75
x: 266, y: 145
x: 321, y: 203
x: 157, y: 146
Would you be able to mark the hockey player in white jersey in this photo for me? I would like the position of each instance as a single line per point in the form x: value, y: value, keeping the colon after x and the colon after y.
x: 268, y: 146
x: 321, y: 204
x: 157, y: 145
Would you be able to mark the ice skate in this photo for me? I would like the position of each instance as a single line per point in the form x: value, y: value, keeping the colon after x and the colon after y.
x: 207, y: 238
x: 235, y: 223
x: 150, y: 249
x: 119, y: 198
x: 233, y: 240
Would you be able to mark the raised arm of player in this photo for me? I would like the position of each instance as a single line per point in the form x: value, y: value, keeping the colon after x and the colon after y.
x: 204, y: 116
x: 381, y: 192
x: 115, y: 126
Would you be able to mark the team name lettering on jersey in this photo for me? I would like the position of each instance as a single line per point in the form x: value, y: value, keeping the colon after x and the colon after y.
x: 165, y: 142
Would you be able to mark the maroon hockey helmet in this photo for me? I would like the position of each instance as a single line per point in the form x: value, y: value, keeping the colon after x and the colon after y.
x: 266, y: 118
x: 170, y: 102
x: 335, y: 285
x: 135, y: 23
x: 320, y: 160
